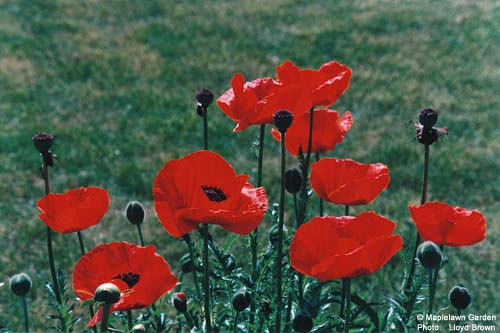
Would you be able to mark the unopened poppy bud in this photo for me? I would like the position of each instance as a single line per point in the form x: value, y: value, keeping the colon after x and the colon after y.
x: 186, y: 263
x: 428, y: 118
x: 139, y: 328
x: 429, y: 255
x: 302, y: 323
x: 135, y: 212
x: 459, y: 297
x: 293, y: 181
x: 20, y: 284
x: 205, y: 97
x: 180, y: 302
x: 107, y: 293
x: 241, y: 300
x: 230, y: 262
x: 283, y: 120
x: 43, y: 142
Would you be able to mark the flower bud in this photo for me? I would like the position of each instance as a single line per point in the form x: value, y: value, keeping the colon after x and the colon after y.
x: 429, y: 255
x: 180, y: 302
x: 283, y: 120
x: 135, y: 212
x: 43, y: 142
x: 459, y: 297
x: 241, y: 300
x: 302, y: 323
x: 186, y: 263
x: 205, y: 97
x: 293, y: 181
x: 107, y: 293
x: 20, y: 284
x: 139, y: 328
x: 428, y: 118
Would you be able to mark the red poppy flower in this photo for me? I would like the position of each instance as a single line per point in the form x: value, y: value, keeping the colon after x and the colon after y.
x: 348, y: 182
x: 142, y: 275
x: 328, y: 131
x: 74, y: 210
x: 239, y: 103
x: 331, y: 247
x: 446, y: 225
x: 203, y: 188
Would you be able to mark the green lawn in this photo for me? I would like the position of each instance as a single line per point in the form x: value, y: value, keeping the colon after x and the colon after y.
x: 114, y: 81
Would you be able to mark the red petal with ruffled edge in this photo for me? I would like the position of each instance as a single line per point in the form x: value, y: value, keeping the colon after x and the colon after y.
x: 203, y: 188
x: 74, y: 210
x: 342, y: 247
x: 447, y: 225
x: 348, y: 182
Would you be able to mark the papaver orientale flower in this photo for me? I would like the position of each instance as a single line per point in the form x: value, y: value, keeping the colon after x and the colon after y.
x: 343, y: 247
x: 75, y: 210
x: 139, y: 272
x: 202, y: 187
x: 348, y: 182
x: 328, y: 131
x: 240, y: 102
x: 447, y: 225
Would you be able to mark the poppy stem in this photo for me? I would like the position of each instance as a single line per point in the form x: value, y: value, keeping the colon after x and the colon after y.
x: 235, y: 324
x: 105, y: 317
x: 300, y: 277
x: 321, y: 209
x: 206, y: 281
x: 279, y: 259
x: 55, y: 285
x: 435, y: 279
x: 194, y: 260
x: 139, y: 231
x: 346, y: 213
x: 82, y: 250
x: 254, y: 234
x: 346, y: 287
x: 430, y: 275
x: 25, y: 309
x: 129, y: 319
x: 408, y: 286
x: 344, y: 292
x: 305, y: 170
x: 205, y: 128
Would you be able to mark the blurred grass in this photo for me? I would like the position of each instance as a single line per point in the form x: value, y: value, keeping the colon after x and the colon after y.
x: 115, y: 82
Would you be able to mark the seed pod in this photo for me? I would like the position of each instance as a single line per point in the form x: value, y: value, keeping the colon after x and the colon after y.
x: 459, y: 297
x: 205, y: 97
x: 43, y: 142
x: 20, y: 284
x: 283, y: 120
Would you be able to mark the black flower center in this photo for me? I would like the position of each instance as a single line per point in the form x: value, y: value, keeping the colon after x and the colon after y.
x: 129, y: 278
x: 214, y: 193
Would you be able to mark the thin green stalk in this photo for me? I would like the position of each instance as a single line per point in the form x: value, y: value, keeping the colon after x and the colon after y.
x: 82, y: 250
x: 409, y: 281
x: 235, y: 324
x: 206, y: 281
x: 430, y: 277
x: 347, y: 287
x: 280, y: 236
x: 50, y: 251
x: 105, y: 317
x: 189, y: 319
x: 205, y: 128
x: 189, y: 243
x: 254, y: 234
x: 300, y: 277
x: 344, y: 292
x: 435, y: 278
x: 129, y: 319
x: 26, y: 318
x: 139, y: 231
x: 305, y: 170
x: 321, y: 204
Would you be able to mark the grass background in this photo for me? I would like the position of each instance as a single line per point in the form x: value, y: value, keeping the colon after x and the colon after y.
x: 115, y: 82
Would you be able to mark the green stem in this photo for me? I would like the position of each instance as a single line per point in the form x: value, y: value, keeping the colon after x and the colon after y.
x: 300, y: 277
x: 235, y: 324
x: 435, y: 279
x: 430, y: 277
x: 254, y: 235
x: 129, y: 319
x: 189, y: 243
x: 205, y: 128
x: 26, y: 318
x: 408, y: 286
x: 305, y: 171
x: 321, y: 204
x: 279, y: 258
x: 139, y: 231
x: 82, y: 250
x: 206, y: 281
x: 344, y: 292
x: 188, y: 317
x: 50, y: 251
x: 347, y: 287
x: 105, y: 317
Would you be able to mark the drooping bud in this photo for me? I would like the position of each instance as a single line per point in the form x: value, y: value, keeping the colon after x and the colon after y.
x: 293, y: 181
x: 429, y: 255
x: 180, y: 302
x: 20, y: 284
x: 139, y: 328
x: 107, y: 293
x: 241, y: 300
x: 135, y: 212
x: 205, y: 97
x: 43, y: 142
x: 428, y: 118
x: 186, y: 263
x: 283, y: 120
x: 459, y: 297
x: 302, y: 323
